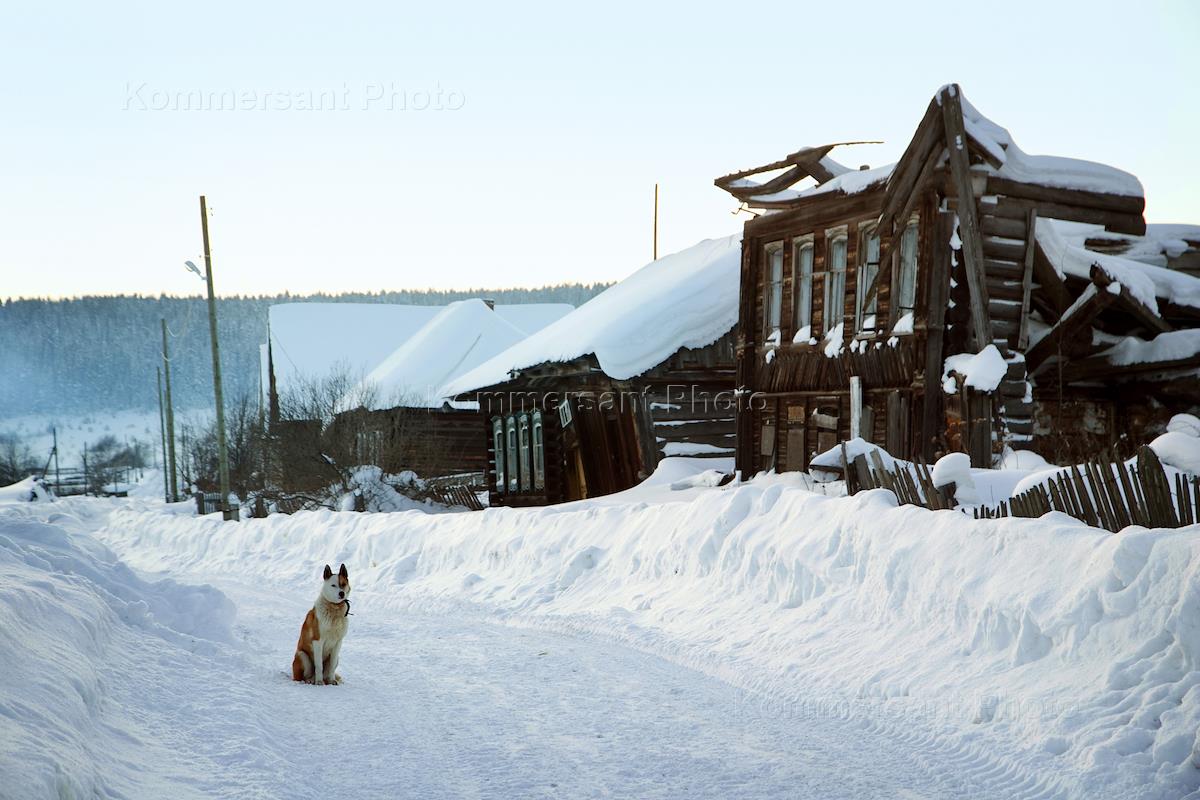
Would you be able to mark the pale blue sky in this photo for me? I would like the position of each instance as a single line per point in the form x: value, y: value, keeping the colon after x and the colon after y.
x: 568, y: 116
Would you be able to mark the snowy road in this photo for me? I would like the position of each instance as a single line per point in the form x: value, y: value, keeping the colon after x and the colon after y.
x: 122, y: 685
x: 440, y: 707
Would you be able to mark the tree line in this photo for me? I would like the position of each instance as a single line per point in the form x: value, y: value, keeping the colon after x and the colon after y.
x: 95, y: 353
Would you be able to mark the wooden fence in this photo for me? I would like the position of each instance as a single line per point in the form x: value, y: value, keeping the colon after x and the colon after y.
x: 1104, y: 492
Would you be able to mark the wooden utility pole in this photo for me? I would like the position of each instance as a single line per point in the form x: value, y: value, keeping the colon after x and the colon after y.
x: 656, y: 222
x: 170, y: 465
x: 162, y: 434
x: 57, y: 477
x: 222, y: 452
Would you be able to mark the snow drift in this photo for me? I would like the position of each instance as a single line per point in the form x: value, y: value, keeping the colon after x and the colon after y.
x: 72, y: 619
x: 1065, y: 656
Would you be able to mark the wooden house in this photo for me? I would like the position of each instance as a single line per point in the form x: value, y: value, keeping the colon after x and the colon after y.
x: 645, y: 370
x: 969, y: 297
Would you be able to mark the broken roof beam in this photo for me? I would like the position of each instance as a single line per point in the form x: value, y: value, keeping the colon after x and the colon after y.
x: 926, y: 140
x: 809, y: 161
x: 1076, y: 319
x: 1143, y: 313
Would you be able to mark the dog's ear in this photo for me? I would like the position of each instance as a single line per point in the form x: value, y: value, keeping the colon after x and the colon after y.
x: 328, y: 572
x: 343, y: 572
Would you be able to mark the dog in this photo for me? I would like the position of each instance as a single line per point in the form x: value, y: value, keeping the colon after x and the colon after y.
x: 323, y: 631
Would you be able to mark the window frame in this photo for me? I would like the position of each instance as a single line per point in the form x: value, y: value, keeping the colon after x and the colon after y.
x: 863, y: 281
x: 510, y: 452
x: 539, y: 450
x: 910, y: 273
x: 499, y: 454
x: 802, y: 281
x: 773, y: 289
x: 832, y: 238
x: 524, y: 454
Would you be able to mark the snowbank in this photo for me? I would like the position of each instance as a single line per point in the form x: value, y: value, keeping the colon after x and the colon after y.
x: 687, y: 299
x: 29, y: 490
x: 1067, y: 655
x: 72, y: 619
x: 982, y: 371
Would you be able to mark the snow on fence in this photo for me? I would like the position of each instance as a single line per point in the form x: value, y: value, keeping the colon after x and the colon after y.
x: 1104, y: 492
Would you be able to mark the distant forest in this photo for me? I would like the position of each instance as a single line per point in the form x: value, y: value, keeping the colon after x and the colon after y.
x: 99, y: 353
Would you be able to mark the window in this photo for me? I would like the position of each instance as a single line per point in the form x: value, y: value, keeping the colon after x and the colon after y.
x: 510, y: 452
x: 539, y: 452
x: 498, y: 448
x: 523, y: 444
x: 774, y: 299
x: 906, y: 277
x: 564, y: 412
x: 864, y: 315
x: 802, y: 270
x: 835, y: 283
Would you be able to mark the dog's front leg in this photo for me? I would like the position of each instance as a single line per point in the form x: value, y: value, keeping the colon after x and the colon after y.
x: 331, y: 676
x: 318, y: 679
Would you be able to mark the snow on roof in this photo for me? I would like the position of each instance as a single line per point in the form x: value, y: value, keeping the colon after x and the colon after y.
x: 1169, y: 346
x: 459, y: 338
x: 848, y: 181
x: 687, y: 299
x: 308, y: 340
x: 1064, y: 244
x: 1055, y: 171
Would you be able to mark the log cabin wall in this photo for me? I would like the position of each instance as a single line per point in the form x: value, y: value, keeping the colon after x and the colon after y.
x: 796, y: 399
x: 616, y: 431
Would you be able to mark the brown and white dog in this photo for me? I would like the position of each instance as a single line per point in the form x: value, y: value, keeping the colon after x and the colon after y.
x: 323, y: 630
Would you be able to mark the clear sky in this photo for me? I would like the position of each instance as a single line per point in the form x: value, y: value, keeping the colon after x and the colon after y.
x: 497, y: 144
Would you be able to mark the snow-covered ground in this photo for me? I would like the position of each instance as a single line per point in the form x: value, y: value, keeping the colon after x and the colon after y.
x: 680, y: 640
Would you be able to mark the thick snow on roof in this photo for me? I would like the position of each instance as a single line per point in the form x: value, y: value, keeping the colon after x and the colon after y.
x: 1063, y: 173
x: 459, y: 338
x: 1169, y: 346
x: 310, y: 339
x: 1064, y: 245
x: 687, y: 299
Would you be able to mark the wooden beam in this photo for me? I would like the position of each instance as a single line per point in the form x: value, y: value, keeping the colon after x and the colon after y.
x: 1094, y: 300
x: 1097, y: 367
x: 1027, y: 279
x: 968, y: 223
x: 1118, y: 222
x: 1050, y: 283
x: 1122, y: 204
x: 1130, y: 303
x: 938, y: 283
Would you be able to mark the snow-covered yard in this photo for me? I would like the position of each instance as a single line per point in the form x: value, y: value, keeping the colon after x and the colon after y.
x: 679, y: 640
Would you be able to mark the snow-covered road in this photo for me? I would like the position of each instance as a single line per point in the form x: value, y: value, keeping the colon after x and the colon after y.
x: 440, y: 706
x: 757, y: 641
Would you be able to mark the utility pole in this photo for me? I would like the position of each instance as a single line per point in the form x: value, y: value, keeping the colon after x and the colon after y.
x: 656, y: 222
x: 222, y: 452
x: 162, y: 434
x: 57, y: 477
x: 170, y: 417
